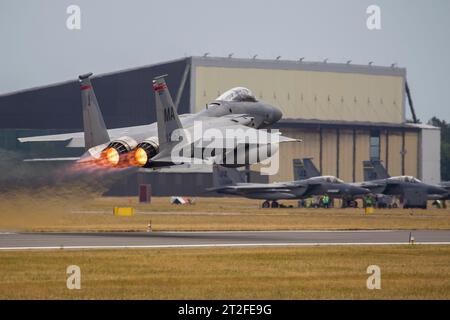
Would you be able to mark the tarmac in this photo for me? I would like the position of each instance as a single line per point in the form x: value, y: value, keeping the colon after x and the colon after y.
x: 123, y: 240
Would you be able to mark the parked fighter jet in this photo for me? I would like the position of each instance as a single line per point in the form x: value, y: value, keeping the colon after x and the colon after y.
x: 446, y: 186
x: 151, y: 146
x: 412, y: 191
x: 231, y: 181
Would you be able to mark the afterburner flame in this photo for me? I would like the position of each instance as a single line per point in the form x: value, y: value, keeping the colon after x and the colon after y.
x: 112, y: 156
x: 140, y: 156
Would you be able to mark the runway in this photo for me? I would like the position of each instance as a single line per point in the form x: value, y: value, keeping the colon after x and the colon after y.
x: 36, y: 241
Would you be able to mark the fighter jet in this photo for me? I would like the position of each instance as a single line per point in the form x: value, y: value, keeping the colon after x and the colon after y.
x: 231, y: 181
x: 446, y: 186
x: 413, y: 192
x: 228, y: 128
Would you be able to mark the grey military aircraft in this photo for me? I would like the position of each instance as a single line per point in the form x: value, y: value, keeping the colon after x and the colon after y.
x: 234, y: 119
x: 413, y: 192
x: 231, y: 181
x: 446, y: 186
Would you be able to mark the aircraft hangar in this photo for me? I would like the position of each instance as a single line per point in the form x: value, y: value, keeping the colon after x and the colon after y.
x: 344, y: 113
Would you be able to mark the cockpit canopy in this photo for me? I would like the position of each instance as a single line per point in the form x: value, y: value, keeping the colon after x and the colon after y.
x: 409, y: 179
x: 329, y: 179
x: 238, y: 94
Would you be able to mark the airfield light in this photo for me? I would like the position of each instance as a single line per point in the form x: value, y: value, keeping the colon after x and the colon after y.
x: 140, y: 155
x: 112, y: 156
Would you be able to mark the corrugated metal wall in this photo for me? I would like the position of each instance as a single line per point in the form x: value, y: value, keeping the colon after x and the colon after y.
x: 126, y: 98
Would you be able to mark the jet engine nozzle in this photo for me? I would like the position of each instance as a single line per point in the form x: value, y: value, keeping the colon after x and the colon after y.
x: 144, y: 151
x: 115, y: 154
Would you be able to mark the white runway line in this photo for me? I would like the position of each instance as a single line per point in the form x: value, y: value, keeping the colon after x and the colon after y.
x: 223, y: 245
x: 287, y: 231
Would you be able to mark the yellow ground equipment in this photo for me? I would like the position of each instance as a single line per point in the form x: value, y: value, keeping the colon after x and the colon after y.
x: 123, y: 211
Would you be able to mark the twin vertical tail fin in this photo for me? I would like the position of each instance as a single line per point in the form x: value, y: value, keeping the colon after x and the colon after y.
x: 95, y: 132
x: 374, y: 170
x: 226, y: 176
x: 310, y: 168
x: 166, y: 114
x: 379, y: 169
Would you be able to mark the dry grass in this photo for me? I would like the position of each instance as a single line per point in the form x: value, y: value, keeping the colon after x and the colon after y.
x: 83, y: 212
x: 407, y: 272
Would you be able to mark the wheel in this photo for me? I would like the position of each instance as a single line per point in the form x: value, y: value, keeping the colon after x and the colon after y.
x: 395, y: 206
x: 266, y: 204
x: 275, y: 204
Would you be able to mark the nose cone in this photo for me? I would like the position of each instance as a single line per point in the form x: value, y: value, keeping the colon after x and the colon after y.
x: 276, y: 115
x: 437, y: 190
x: 359, y: 191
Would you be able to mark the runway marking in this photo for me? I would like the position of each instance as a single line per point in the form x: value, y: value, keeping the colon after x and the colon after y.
x: 294, y: 231
x: 289, y: 244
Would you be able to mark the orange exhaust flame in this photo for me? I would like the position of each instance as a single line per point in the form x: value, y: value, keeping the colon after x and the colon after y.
x: 110, y: 160
x: 112, y: 156
x: 140, y: 157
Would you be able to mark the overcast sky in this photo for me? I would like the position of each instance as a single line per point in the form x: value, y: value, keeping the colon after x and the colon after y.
x: 38, y: 49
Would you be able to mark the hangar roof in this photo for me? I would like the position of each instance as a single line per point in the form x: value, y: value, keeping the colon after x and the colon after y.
x: 297, y: 65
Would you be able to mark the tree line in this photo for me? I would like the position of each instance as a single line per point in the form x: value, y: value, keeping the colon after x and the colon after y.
x: 445, y: 146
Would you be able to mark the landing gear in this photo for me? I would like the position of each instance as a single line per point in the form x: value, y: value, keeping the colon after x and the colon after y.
x: 353, y: 204
x: 267, y: 204
x: 275, y: 204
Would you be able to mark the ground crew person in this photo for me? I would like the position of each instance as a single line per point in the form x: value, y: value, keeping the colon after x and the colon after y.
x: 368, y: 201
x: 326, y: 201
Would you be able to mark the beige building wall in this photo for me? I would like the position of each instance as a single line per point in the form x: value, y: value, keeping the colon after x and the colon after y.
x: 411, y: 155
x: 395, y: 157
x: 362, y: 152
x: 346, y: 155
x: 383, y: 147
x: 309, y: 94
x: 329, y: 152
x: 310, y: 147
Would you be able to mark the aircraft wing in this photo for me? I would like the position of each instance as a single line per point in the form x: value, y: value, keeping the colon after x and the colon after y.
x: 78, y: 137
x: 226, y: 134
x: 253, y: 187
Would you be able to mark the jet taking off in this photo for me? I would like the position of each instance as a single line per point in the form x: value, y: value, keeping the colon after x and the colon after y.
x: 229, y: 128
x: 230, y: 181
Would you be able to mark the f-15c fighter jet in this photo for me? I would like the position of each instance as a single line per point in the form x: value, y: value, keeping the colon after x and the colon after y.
x: 230, y: 181
x: 227, y: 131
x: 411, y: 190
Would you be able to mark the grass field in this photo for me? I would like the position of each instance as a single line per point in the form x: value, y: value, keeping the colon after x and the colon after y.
x: 407, y: 272
x: 46, y: 213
